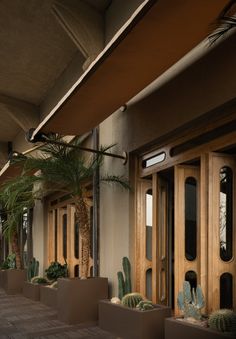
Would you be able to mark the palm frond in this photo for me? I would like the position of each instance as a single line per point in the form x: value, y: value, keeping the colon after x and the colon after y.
x: 120, y: 180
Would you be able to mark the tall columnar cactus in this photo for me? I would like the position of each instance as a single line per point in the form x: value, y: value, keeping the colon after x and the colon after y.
x: 124, y: 284
x: 33, y: 269
x: 223, y: 320
x: 191, y: 302
x: 131, y: 300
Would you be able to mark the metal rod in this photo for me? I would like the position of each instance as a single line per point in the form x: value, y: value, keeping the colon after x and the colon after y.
x: 95, y: 208
x: 87, y: 149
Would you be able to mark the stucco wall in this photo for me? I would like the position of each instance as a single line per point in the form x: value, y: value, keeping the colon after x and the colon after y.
x: 199, y: 89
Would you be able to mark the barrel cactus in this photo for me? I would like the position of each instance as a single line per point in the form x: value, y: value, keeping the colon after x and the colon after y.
x: 191, y: 302
x: 39, y: 280
x: 131, y: 300
x: 223, y: 320
x: 145, y: 305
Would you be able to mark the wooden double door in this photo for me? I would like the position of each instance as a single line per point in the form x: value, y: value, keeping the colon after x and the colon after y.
x: 186, y: 231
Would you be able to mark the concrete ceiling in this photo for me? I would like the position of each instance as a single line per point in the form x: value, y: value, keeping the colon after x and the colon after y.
x: 35, y: 56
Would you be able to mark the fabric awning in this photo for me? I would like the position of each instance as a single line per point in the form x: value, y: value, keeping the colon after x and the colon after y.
x: 158, y: 35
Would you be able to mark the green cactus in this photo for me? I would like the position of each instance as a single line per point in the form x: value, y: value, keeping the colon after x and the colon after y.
x: 33, y: 269
x: 223, y: 320
x: 39, y: 280
x: 124, y: 284
x: 131, y: 300
x: 121, y: 284
x: 191, y: 302
x: 145, y: 305
x: 127, y: 271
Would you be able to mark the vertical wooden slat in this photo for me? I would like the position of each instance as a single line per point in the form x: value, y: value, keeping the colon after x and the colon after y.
x: 50, y: 237
x: 182, y: 265
x: 216, y: 265
x: 155, y: 282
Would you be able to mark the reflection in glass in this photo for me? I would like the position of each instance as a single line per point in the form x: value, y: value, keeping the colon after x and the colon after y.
x: 191, y: 277
x: 149, y: 224
x: 226, y: 290
x: 190, y: 218
x: 226, y: 215
x: 149, y: 284
x: 64, y: 228
x: 76, y: 237
x: 91, y: 231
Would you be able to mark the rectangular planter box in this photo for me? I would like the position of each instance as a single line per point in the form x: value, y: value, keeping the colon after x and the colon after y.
x: 78, y: 299
x: 131, y: 323
x: 48, y: 296
x: 12, y: 280
x: 31, y: 291
x: 184, y: 330
x: 1, y: 278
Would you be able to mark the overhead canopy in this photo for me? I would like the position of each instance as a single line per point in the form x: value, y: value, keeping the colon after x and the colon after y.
x: 155, y: 37
x: 10, y: 171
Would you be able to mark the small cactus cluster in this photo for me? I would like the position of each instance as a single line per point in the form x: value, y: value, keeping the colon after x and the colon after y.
x: 223, y: 320
x: 32, y: 269
x: 145, y: 305
x: 39, y: 280
x: 124, y: 284
x: 131, y: 300
x: 191, y: 302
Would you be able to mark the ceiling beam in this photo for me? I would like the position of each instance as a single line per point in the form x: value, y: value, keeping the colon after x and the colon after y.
x: 83, y: 24
x: 24, y: 114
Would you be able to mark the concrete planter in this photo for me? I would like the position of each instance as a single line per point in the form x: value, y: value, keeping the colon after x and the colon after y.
x: 48, y: 296
x: 131, y: 323
x: 184, y: 330
x: 31, y: 291
x: 12, y: 280
x: 78, y: 299
x: 1, y: 277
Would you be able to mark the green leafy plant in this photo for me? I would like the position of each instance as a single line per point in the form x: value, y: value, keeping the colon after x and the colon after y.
x: 10, y: 262
x: 68, y: 170
x: 223, y: 320
x: 16, y: 196
x: 124, y: 281
x: 56, y: 270
x: 191, y: 302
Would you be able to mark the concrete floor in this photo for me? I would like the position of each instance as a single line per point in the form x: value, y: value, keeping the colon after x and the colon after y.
x: 21, y: 318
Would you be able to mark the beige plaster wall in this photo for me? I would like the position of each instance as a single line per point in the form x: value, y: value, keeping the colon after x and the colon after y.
x: 199, y: 89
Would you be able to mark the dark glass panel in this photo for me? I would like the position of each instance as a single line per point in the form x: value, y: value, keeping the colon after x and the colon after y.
x: 55, y: 233
x: 64, y: 227
x: 191, y: 277
x: 226, y: 213
x: 91, y: 231
x: 149, y: 284
x: 149, y: 203
x: 190, y: 218
x: 76, y: 270
x: 76, y: 237
x: 226, y: 290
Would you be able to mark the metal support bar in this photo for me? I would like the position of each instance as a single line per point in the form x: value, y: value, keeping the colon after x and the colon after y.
x: 95, y: 208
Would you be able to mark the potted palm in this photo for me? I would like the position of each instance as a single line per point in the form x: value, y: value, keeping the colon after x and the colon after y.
x: 16, y: 196
x: 64, y: 167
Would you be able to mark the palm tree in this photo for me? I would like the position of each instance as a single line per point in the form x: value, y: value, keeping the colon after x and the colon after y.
x: 67, y: 170
x: 16, y: 196
x: 225, y: 22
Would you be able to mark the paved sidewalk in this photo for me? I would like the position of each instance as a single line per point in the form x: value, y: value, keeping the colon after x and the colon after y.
x: 21, y: 318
